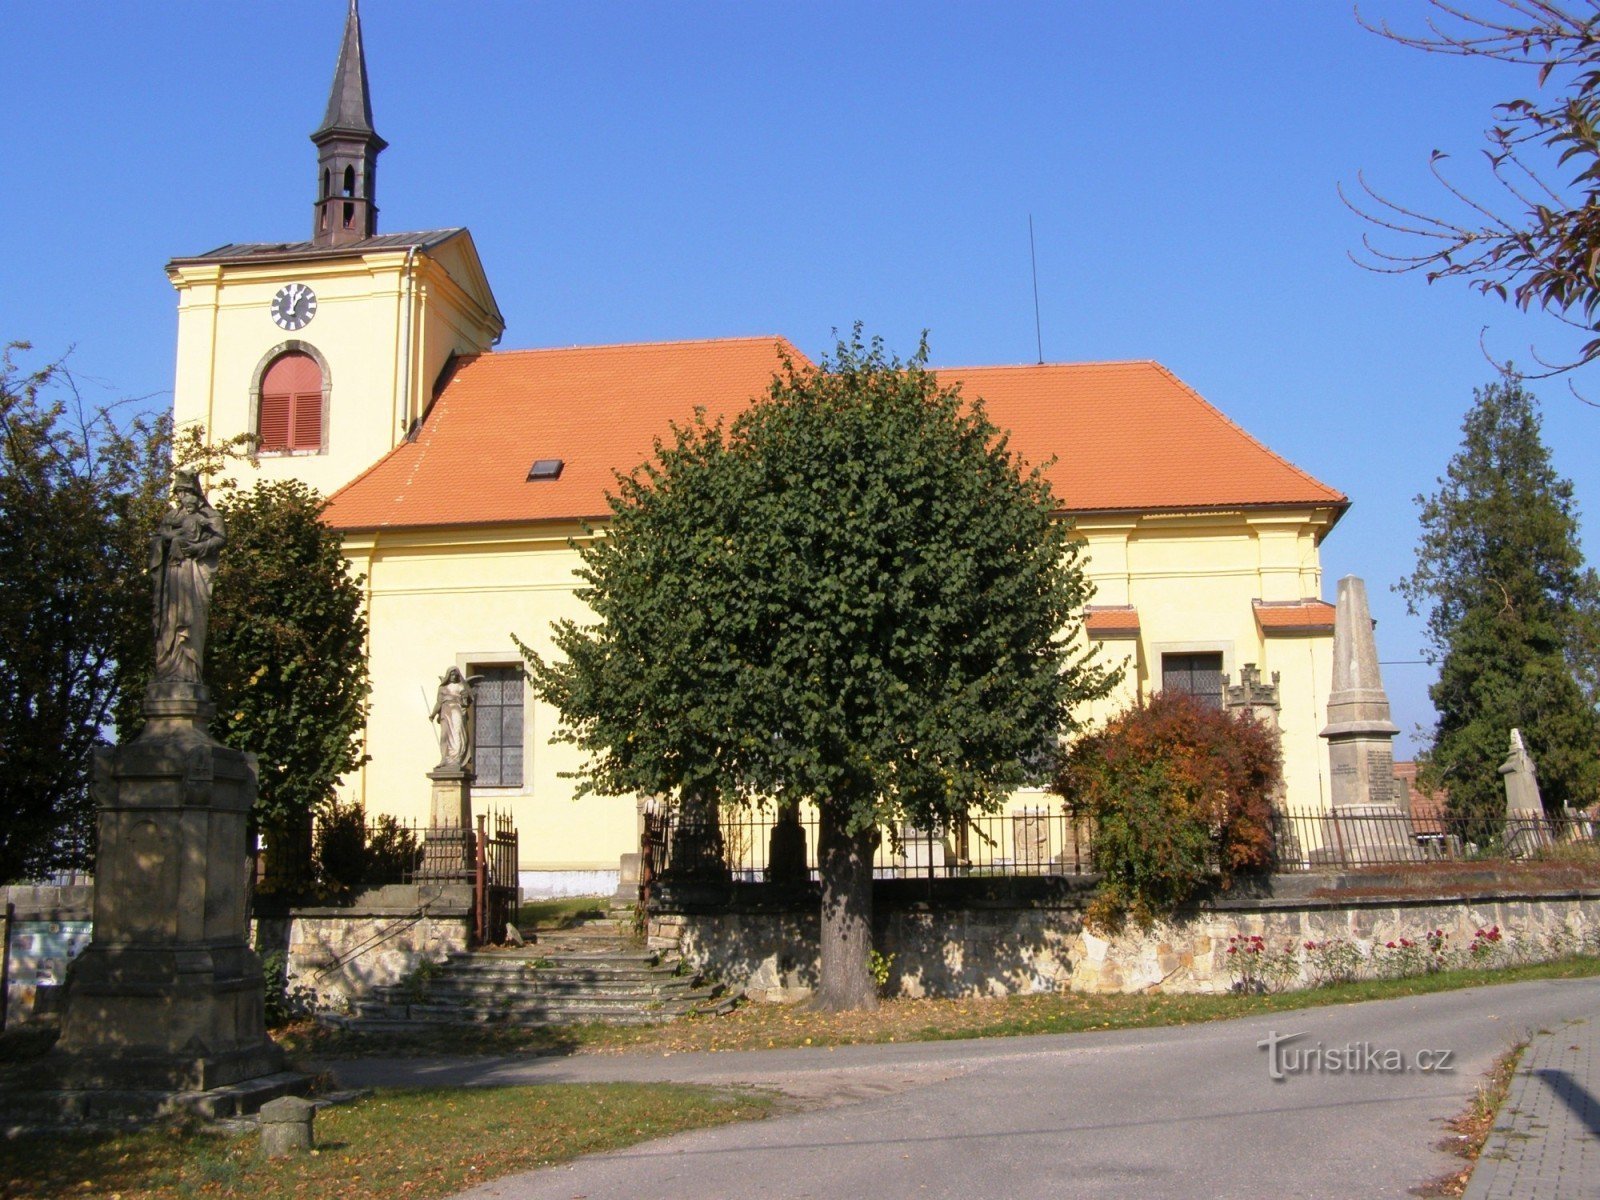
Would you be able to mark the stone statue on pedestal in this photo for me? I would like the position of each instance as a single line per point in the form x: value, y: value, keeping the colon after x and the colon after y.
x: 166, y: 1000
x: 449, y: 838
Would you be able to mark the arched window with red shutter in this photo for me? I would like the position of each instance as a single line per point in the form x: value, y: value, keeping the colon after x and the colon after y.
x: 290, y: 415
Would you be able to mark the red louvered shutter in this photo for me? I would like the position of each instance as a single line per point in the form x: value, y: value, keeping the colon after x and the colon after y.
x: 306, y: 431
x: 274, y: 422
x: 291, y: 404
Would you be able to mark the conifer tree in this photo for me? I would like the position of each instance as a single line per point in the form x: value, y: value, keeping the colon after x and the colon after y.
x: 1512, y: 614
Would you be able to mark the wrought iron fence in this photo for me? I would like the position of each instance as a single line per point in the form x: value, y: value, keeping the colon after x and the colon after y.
x: 1364, y: 837
x: 344, y: 852
x: 745, y: 845
x: 748, y: 845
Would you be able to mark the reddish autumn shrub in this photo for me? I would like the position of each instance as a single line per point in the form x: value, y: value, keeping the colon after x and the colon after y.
x: 1178, y: 794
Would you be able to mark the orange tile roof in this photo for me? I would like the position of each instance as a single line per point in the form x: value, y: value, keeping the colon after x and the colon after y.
x: 1125, y: 435
x: 1132, y: 435
x: 1111, y: 621
x: 597, y: 408
x: 1295, y: 617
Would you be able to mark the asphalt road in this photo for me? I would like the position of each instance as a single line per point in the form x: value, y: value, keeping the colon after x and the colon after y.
x: 1178, y: 1112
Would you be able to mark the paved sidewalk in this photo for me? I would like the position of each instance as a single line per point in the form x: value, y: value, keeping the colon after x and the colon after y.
x: 1546, y: 1144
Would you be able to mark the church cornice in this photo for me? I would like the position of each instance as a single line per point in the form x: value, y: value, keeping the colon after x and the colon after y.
x: 287, y: 252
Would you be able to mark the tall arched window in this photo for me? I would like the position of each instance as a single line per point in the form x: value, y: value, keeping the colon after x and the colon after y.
x: 291, y: 404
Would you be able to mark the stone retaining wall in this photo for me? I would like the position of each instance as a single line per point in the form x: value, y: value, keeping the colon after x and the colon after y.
x: 334, y: 953
x: 337, y: 954
x: 1030, y: 937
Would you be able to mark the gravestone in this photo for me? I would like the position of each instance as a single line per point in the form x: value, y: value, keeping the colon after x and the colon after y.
x: 1368, y: 824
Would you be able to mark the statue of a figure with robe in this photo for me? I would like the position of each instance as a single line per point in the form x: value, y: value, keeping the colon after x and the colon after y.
x: 452, y: 708
x: 183, y: 561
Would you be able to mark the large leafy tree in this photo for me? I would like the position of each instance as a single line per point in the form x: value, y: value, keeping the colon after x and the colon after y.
x: 286, y: 659
x: 76, y: 484
x: 853, y: 595
x: 1512, y: 613
x: 1536, y: 243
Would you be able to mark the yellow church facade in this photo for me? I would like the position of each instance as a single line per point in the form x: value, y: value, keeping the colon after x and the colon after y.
x: 460, y: 475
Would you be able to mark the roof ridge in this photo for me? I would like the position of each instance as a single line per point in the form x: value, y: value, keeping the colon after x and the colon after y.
x: 1247, y: 435
x: 588, y: 346
x: 1034, y: 366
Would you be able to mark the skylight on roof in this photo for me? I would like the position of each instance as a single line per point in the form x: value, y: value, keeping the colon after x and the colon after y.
x: 545, y: 468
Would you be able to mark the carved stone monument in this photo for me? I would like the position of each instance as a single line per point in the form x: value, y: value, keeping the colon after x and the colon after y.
x: 1526, y: 827
x: 166, y: 1000
x: 1368, y: 824
x: 1253, y: 695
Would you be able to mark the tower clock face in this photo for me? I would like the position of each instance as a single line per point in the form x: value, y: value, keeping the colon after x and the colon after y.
x: 294, y: 306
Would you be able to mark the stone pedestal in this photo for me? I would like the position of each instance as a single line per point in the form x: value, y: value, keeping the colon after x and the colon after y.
x: 1369, y: 824
x: 168, y: 994
x: 448, y: 850
x: 452, y: 797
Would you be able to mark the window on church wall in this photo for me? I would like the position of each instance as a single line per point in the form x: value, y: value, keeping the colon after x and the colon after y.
x: 290, y: 416
x: 1200, y: 675
x: 497, y: 725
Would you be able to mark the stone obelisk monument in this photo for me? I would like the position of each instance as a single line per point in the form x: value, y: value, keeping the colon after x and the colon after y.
x: 167, y: 998
x: 1368, y: 824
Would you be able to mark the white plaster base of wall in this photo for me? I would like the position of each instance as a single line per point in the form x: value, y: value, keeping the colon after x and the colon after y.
x: 551, y: 885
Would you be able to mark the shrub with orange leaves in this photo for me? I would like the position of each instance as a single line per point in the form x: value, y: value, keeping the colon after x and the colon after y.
x: 1178, y: 794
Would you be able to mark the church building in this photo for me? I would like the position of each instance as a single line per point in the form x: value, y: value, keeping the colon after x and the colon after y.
x: 367, y: 364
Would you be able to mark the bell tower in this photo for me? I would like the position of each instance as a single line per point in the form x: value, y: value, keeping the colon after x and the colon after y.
x: 328, y: 351
x: 347, y: 149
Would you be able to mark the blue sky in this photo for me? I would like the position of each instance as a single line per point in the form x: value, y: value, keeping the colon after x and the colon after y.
x: 646, y: 172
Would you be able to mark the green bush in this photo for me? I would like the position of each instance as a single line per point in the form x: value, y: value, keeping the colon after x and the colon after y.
x: 350, y: 854
x: 1178, y: 795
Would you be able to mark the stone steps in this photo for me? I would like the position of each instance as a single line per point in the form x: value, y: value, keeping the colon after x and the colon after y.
x: 592, y: 971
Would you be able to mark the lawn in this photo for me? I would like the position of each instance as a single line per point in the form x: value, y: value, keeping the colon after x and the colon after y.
x: 560, y: 913
x: 419, y: 1145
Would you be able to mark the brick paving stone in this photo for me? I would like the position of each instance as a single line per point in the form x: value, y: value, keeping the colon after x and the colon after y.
x: 1546, y: 1143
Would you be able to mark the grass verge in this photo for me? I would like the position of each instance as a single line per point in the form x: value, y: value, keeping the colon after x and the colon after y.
x: 763, y: 1026
x: 1470, y: 1129
x: 420, y: 1144
x: 559, y: 914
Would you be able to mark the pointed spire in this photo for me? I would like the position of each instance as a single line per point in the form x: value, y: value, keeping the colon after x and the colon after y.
x: 349, y: 101
x: 347, y: 149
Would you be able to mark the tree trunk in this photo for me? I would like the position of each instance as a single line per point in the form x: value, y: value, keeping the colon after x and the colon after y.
x: 844, y: 861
